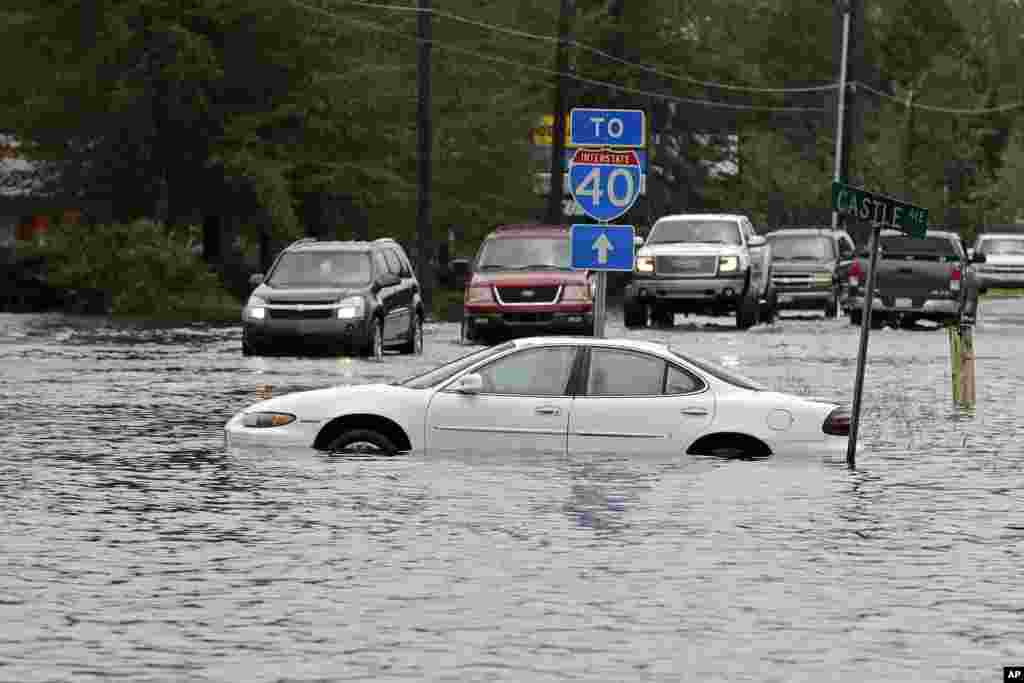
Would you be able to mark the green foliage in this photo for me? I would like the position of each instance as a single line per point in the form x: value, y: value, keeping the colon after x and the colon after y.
x: 147, y: 270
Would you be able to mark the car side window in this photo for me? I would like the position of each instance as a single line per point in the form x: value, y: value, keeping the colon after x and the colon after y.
x: 403, y: 263
x: 622, y: 373
x: 533, y: 372
x: 845, y: 248
x: 380, y: 266
x: 679, y: 381
x: 394, y: 266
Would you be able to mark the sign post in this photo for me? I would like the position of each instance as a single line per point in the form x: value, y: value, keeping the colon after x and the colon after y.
x: 605, y: 179
x: 882, y: 211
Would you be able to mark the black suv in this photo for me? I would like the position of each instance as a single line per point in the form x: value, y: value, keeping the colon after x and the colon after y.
x: 810, y: 267
x: 352, y: 296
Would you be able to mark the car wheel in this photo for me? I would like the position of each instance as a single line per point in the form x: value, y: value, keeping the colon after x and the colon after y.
x: 745, y: 313
x: 832, y: 307
x: 634, y: 314
x: 415, y: 343
x: 466, y: 336
x: 662, y: 317
x: 856, y: 316
x: 362, y: 442
x: 375, y: 345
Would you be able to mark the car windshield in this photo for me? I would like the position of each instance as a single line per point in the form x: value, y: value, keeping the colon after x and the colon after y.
x: 432, y: 378
x: 921, y: 249
x: 321, y: 268
x: 801, y: 248
x: 692, y: 231
x: 524, y: 253
x: 721, y: 373
x: 1002, y: 247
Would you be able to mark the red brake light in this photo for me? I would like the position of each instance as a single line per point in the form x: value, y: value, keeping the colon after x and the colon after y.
x: 957, y: 274
x: 837, y: 423
x: 855, y: 272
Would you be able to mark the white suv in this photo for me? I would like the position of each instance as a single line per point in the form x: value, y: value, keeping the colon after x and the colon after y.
x: 713, y: 264
x: 1004, y: 260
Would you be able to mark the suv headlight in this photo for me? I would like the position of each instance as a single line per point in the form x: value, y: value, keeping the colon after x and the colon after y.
x: 645, y: 264
x: 255, y: 308
x: 352, y: 307
x: 728, y: 264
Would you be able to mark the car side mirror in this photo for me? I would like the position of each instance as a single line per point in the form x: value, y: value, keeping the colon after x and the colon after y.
x: 978, y: 257
x: 470, y: 384
x: 387, y: 280
x: 256, y: 279
x: 757, y: 241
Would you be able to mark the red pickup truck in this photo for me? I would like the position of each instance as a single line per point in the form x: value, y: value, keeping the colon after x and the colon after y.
x: 522, y: 282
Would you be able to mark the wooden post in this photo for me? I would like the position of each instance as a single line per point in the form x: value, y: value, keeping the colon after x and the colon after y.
x: 955, y: 359
x: 967, y: 364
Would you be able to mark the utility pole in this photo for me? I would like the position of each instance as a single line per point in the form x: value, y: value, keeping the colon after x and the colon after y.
x: 841, y: 164
x: 555, y: 215
x: 424, y: 143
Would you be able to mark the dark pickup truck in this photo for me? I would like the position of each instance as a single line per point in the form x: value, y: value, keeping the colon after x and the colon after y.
x: 927, y: 278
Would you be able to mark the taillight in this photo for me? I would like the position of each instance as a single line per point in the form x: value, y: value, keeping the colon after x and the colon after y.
x: 479, y: 294
x: 954, y: 278
x: 856, y: 272
x: 837, y: 423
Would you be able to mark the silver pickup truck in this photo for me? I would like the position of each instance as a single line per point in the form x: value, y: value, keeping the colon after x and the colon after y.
x: 927, y: 278
x: 713, y: 264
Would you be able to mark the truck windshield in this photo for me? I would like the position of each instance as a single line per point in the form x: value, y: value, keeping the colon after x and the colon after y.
x: 321, y: 268
x: 801, y: 248
x: 524, y: 253
x: 919, y: 249
x: 694, y: 232
x: 1002, y: 246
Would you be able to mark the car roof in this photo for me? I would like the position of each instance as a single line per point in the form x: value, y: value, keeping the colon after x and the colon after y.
x: 311, y: 244
x: 634, y: 344
x: 519, y: 229
x: 888, y: 232
x: 702, y: 217
x: 813, y: 232
x: 1002, y: 235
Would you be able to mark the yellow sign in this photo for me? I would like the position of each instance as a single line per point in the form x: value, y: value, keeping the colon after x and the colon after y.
x: 544, y: 133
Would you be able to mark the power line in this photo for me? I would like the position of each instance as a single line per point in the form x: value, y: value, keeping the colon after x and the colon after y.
x: 551, y: 72
x: 943, y: 110
x: 595, y: 51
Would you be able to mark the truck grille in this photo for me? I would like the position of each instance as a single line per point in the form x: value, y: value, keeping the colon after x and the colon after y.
x: 794, y: 281
x: 527, y: 295
x: 694, y: 266
x: 1005, y: 269
x: 296, y: 314
x: 297, y: 302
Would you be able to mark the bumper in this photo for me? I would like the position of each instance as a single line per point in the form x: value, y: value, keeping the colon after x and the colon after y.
x: 301, y: 434
x: 939, y: 308
x: 352, y: 333
x: 990, y: 279
x: 562, y: 318
x: 803, y: 299
x: 708, y: 290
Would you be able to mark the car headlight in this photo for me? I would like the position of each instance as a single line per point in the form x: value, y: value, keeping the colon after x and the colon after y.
x: 352, y: 307
x: 262, y: 420
x: 728, y: 264
x: 823, y: 279
x: 645, y: 264
x: 254, y: 308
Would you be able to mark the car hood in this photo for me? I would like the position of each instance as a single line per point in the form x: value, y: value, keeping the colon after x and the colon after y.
x: 1003, y: 260
x: 529, y: 278
x: 785, y: 266
x: 305, y: 294
x: 321, y: 404
x: 689, y: 249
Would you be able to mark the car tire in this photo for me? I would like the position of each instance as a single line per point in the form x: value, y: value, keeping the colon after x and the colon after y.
x: 832, y: 307
x: 746, y: 313
x: 466, y: 335
x: 634, y: 314
x: 415, y: 344
x: 856, y: 316
x: 770, y: 308
x: 662, y: 317
x: 374, y: 349
x: 362, y: 442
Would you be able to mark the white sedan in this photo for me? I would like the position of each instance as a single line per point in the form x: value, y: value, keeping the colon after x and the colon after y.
x: 554, y: 395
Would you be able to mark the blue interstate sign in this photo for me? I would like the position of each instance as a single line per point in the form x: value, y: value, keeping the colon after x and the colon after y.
x: 605, y: 182
x: 602, y: 247
x: 608, y: 128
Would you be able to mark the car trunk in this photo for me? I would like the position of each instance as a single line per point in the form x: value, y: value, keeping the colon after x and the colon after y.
x: 912, y: 270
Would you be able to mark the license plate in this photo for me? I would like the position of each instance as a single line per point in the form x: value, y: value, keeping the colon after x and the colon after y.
x: 785, y: 299
x: 904, y: 303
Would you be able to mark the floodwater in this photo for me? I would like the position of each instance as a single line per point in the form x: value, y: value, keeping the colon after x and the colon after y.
x: 135, y: 548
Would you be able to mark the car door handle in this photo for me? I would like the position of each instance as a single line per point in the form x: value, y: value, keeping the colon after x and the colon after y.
x: 694, y: 411
x: 548, y: 410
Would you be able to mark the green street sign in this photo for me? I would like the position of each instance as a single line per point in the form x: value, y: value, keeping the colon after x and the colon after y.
x: 879, y: 209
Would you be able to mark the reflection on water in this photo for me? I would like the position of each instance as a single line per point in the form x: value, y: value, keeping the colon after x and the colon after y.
x: 135, y: 547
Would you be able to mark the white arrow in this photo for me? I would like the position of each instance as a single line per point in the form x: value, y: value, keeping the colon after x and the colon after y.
x: 603, y: 246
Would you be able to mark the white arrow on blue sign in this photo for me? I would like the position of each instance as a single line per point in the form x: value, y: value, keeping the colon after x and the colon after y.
x: 607, y: 127
x: 601, y: 247
x: 605, y: 182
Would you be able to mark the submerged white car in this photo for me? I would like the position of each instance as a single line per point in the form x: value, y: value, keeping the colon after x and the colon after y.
x: 554, y: 395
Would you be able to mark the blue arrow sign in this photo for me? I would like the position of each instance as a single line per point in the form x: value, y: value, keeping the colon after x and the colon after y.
x: 601, y: 247
x: 604, y: 182
x: 608, y: 127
